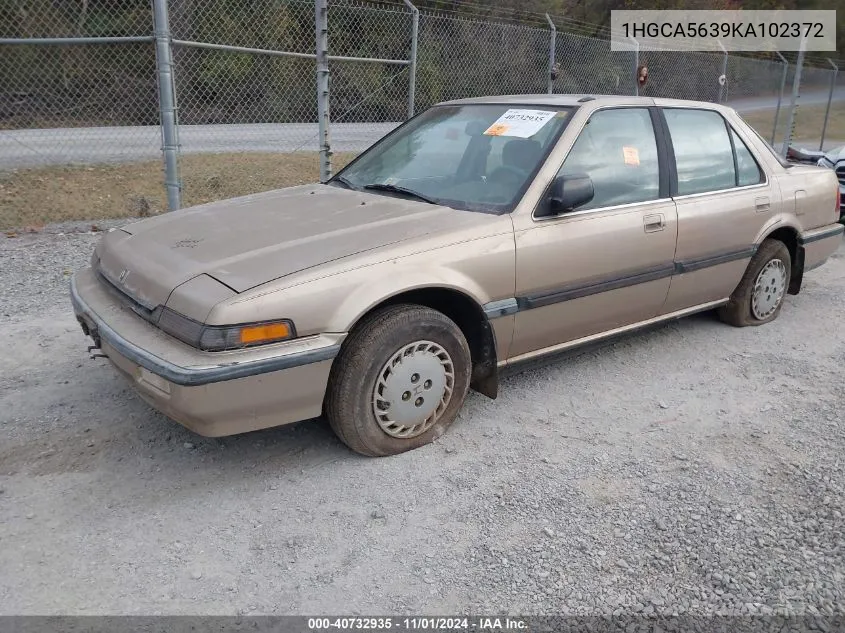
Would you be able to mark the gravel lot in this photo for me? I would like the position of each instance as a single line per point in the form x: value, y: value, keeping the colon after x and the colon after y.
x: 694, y: 469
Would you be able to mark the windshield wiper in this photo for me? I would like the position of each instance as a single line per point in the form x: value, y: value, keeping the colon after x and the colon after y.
x: 342, y: 180
x: 396, y: 189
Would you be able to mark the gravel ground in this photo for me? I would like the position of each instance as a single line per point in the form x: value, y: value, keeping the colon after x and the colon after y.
x: 695, y: 469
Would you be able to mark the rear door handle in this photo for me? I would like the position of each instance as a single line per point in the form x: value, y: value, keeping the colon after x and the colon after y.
x: 654, y: 222
x: 761, y: 204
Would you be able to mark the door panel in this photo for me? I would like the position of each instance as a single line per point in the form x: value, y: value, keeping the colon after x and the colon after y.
x: 608, y: 263
x: 716, y: 235
x: 583, y: 274
x: 716, y: 229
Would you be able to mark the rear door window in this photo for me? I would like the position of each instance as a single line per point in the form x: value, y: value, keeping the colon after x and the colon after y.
x: 703, y: 151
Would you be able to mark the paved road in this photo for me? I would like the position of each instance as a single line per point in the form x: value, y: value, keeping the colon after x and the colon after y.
x: 28, y: 148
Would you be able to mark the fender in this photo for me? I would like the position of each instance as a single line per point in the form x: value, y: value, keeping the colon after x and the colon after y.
x: 779, y: 221
x: 785, y: 221
x: 483, y: 343
x: 400, y: 281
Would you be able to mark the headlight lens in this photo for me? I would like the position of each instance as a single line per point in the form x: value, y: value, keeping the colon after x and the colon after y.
x: 217, y: 338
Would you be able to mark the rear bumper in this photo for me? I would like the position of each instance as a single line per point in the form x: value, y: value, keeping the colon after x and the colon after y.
x: 819, y: 244
x: 212, y: 393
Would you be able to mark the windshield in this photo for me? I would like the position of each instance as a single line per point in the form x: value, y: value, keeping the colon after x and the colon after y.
x: 475, y: 157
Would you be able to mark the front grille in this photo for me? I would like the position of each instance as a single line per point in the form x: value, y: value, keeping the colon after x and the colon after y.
x: 180, y: 327
x: 127, y: 300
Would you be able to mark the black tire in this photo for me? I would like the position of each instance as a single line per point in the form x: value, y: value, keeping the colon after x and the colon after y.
x: 349, y: 398
x: 738, y: 311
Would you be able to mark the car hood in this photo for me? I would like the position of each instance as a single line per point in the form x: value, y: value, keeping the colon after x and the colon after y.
x: 836, y: 154
x: 248, y: 241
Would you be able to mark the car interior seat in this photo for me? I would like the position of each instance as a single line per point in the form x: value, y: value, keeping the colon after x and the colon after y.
x: 521, y: 154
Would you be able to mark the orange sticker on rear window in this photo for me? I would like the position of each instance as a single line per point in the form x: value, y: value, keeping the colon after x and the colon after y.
x: 631, y: 155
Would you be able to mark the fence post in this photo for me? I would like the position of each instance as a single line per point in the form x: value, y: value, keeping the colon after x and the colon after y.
x: 829, y: 99
x: 412, y: 67
x: 552, y: 52
x: 167, y: 105
x: 723, y: 78
x: 636, y: 66
x: 321, y: 26
x: 780, y: 94
x: 793, y: 102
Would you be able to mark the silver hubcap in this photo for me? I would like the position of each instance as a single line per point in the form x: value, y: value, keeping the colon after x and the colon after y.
x: 769, y: 288
x: 413, y: 389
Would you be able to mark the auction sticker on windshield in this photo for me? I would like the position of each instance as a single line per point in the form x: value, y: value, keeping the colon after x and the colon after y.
x: 520, y: 123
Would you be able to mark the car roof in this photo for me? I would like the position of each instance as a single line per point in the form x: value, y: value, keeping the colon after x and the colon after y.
x: 578, y: 99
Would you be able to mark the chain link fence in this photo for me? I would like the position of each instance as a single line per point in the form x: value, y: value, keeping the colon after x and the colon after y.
x: 247, y: 113
x: 91, y: 68
x: 460, y: 57
x: 370, y: 77
x: 809, y: 119
x: 81, y: 92
x: 587, y: 65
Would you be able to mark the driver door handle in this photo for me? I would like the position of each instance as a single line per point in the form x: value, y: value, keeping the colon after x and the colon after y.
x: 654, y: 222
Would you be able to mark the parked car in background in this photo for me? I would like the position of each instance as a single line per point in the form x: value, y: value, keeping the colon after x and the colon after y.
x: 482, y: 236
x: 833, y: 159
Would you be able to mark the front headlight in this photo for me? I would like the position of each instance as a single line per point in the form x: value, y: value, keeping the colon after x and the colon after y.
x: 217, y: 338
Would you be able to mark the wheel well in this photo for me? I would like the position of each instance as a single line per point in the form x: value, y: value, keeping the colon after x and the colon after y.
x: 789, y: 237
x: 470, y: 318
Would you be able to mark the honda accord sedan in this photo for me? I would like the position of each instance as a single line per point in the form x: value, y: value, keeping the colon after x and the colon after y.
x: 479, y: 237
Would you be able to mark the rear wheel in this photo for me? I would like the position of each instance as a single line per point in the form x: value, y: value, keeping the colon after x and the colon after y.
x: 399, y: 381
x: 759, y: 297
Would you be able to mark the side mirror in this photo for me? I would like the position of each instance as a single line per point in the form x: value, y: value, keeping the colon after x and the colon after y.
x: 568, y: 193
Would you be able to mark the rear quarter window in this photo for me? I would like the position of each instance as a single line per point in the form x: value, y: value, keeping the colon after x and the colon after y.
x: 748, y: 171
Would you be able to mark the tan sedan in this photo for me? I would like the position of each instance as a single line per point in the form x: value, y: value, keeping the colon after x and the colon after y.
x: 478, y: 237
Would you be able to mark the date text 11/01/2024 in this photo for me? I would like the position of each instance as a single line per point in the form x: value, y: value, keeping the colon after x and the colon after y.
x: 418, y: 624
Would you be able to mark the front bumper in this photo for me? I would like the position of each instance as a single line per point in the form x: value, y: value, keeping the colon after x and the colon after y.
x: 212, y: 393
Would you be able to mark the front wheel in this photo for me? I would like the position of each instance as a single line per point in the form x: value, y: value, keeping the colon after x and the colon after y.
x: 399, y: 381
x: 760, y: 295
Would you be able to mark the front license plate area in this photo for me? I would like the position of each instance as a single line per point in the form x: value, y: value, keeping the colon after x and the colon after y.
x: 152, y: 380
